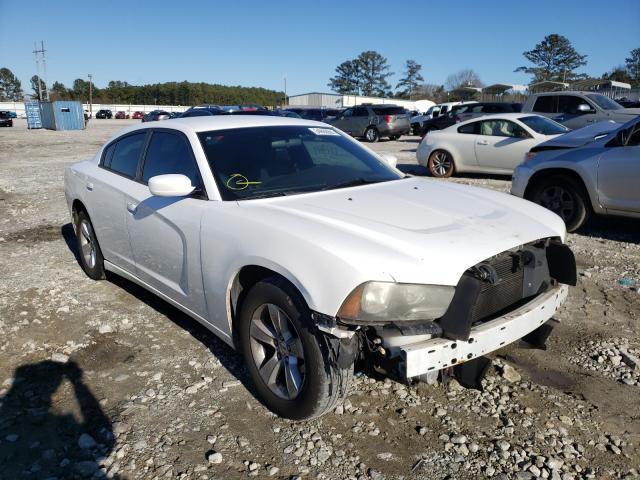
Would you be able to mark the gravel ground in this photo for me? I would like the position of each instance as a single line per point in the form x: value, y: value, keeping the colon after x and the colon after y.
x: 103, y: 380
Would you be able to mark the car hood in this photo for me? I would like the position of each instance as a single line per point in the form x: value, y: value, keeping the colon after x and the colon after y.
x: 415, y: 229
x: 579, y: 137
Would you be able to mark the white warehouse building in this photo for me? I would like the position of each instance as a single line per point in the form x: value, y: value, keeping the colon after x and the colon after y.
x: 336, y: 100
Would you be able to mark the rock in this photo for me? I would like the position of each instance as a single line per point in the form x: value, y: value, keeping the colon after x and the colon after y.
x: 386, y: 456
x: 231, y: 383
x: 458, y: 439
x: 630, y: 360
x: 214, y: 457
x: 422, y: 430
x: 474, y: 447
x: 503, y: 445
x: 566, y: 420
x: 212, y: 439
x: 510, y: 374
x: 86, y: 468
x: 253, y: 466
x: 86, y: 441
x: 273, y: 471
x: 375, y: 475
x: 323, y: 455
x: 60, y: 357
x: 440, y: 412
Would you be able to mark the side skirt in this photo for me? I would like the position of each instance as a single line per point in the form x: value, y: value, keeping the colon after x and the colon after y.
x: 123, y: 273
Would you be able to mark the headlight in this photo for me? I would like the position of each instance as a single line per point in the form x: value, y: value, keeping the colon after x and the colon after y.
x: 382, y: 302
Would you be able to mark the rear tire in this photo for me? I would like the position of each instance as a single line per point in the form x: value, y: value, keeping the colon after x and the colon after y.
x: 441, y: 164
x: 394, y: 137
x: 371, y: 135
x: 89, y: 251
x: 299, y: 379
x: 565, y: 197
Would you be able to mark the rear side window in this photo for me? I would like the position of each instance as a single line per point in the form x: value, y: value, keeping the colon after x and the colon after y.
x: 108, y: 154
x: 545, y: 104
x: 360, y: 112
x: 389, y: 110
x: 126, y: 155
x: 169, y: 153
x: 469, y: 128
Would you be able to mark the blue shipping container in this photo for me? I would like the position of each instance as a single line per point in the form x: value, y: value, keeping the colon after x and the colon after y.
x: 32, y: 109
x: 62, y: 115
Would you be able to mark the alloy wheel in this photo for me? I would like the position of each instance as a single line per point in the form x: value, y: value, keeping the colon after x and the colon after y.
x: 277, y: 351
x: 87, y: 244
x: 441, y: 164
x: 559, y: 200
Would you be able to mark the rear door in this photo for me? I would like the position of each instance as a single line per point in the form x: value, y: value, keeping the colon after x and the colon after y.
x: 106, y: 193
x: 619, y: 175
x: 343, y: 121
x: 165, y: 231
x: 501, y: 145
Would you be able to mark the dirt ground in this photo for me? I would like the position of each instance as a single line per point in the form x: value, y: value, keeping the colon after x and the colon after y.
x: 103, y: 380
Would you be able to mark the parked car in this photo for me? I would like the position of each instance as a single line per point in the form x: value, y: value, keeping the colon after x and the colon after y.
x: 309, y: 252
x: 466, y: 111
x: 203, y: 111
x: 5, y: 119
x: 319, y: 114
x: 156, y: 115
x: 104, y: 114
x: 286, y: 113
x: 373, y: 122
x: 578, y: 109
x: 87, y: 114
x: 491, y: 144
x: 121, y: 115
x: 175, y: 114
x: 594, y: 170
x: 137, y: 115
x: 417, y: 122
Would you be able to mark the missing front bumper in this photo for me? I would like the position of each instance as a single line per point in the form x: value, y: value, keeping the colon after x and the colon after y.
x: 439, y: 353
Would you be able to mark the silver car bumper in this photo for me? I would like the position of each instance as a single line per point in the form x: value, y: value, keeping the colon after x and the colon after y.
x: 439, y: 353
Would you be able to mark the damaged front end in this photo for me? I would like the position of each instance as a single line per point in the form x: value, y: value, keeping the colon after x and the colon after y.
x: 507, y: 297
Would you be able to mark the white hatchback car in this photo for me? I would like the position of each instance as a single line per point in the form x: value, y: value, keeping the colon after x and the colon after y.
x: 309, y: 253
x: 490, y: 144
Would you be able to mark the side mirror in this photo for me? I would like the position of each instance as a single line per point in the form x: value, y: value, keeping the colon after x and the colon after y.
x: 391, y: 160
x: 584, y: 108
x: 170, y: 185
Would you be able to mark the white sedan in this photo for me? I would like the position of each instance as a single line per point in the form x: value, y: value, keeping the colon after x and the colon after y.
x: 490, y: 144
x: 310, y: 253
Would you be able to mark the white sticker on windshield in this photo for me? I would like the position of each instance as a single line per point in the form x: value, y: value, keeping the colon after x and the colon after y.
x: 324, y: 131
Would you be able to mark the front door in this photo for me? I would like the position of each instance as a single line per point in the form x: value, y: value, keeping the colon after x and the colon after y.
x: 165, y: 231
x: 619, y: 175
x: 501, y: 145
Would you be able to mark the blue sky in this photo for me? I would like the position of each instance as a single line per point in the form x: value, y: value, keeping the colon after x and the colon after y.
x: 257, y: 43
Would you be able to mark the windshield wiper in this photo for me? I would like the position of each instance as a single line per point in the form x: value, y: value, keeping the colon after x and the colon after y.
x: 354, y: 182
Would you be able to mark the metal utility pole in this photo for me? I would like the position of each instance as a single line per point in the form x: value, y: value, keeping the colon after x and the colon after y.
x: 90, y: 95
x: 43, y: 79
x: 286, y: 102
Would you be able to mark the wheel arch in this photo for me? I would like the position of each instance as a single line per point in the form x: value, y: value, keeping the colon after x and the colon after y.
x: 560, y: 171
x: 242, y: 282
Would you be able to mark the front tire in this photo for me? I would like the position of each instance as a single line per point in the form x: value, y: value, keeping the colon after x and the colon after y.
x: 288, y: 358
x: 441, y: 164
x: 565, y: 197
x: 372, y: 135
x: 89, y: 251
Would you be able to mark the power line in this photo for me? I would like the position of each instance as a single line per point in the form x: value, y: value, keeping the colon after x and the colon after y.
x: 39, y: 54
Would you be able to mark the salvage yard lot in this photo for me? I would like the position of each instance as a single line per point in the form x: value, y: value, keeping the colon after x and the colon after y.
x: 157, y: 394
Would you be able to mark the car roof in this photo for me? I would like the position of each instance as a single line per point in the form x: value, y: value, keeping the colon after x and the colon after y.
x: 498, y: 116
x: 223, y: 122
x: 564, y: 92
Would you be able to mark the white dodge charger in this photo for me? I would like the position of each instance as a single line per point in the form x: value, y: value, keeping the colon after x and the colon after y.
x: 311, y: 254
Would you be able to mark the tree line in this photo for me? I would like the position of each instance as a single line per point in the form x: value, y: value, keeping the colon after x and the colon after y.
x: 121, y: 92
x: 552, y: 59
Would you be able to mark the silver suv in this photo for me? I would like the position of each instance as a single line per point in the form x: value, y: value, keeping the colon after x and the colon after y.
x: 578, y: 109
x: 373, y: 122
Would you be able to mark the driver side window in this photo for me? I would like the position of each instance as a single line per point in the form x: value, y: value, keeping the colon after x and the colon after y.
x: 170, y: 153
x: 348, y: 113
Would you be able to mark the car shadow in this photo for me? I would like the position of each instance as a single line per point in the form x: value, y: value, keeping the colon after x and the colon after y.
x: 228, y: 357
x: 413, y: 169
x: 39, y: 439
x: 619, y: 229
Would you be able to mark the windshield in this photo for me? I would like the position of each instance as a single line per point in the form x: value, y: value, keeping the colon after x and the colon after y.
x: 262, y: 162
x: 543, y: 125
x: 603, y: 102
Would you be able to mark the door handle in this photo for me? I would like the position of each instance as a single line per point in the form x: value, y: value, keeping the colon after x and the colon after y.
x: 132, y: 207
x: 483, y: 142
x: 90, y: 186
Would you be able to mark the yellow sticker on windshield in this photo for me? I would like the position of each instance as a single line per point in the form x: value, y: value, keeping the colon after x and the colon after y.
x: 237, y: 181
